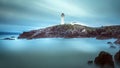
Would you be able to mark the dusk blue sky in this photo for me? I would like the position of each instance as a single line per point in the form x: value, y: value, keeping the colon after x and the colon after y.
x: 24, y: 15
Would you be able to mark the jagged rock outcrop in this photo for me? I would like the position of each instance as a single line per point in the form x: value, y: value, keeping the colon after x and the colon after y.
x: 117, y: 57
x: 104, y: 60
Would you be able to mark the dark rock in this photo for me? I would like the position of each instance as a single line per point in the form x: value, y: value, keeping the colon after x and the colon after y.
x: 117, y: 57
x: 90, y: 62
x: 8, y: 39
x: 113, y: 47
x: 104, y: 60
x: 100, y: 37
x: 117, y: 41
x: 109, y: 43
x: 26, y: 34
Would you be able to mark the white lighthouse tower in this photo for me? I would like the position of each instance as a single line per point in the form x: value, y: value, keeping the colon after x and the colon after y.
x: 62, y: 18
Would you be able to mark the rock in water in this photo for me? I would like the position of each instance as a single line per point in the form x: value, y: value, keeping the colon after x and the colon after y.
x: 117, y: 57
x: 90, y: 62
x: 117, y: 41
x: 104, y: 60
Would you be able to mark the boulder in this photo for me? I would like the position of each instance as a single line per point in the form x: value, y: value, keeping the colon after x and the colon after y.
x: 117, y: 57
x: 104, y: 60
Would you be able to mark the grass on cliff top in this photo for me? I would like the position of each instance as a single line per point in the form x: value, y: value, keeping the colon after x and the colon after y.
x: 70, y: 26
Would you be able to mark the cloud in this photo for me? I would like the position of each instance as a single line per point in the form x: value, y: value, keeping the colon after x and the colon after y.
x: 48, y: 11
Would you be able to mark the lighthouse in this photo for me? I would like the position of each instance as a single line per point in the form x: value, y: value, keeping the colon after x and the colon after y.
x: 62, y: 18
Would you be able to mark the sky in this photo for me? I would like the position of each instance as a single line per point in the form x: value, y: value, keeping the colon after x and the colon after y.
x: 24, y: 15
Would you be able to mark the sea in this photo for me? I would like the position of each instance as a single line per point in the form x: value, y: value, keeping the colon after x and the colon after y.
x: 52, y: 52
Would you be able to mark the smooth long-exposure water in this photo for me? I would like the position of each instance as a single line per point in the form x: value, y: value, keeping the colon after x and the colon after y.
x: 52, y: 52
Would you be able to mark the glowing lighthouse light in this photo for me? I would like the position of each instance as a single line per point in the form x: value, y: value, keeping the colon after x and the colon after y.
x: 62, y: 18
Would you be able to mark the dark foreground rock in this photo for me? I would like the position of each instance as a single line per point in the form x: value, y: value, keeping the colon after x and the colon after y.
x: 104, y: 60
x: 117, y: 57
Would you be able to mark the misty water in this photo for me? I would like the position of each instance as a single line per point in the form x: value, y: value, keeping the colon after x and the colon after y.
x: 52, y: 52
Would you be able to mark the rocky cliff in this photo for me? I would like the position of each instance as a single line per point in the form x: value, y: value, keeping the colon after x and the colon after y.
x: 63, y: 31
x: 73, y: 31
